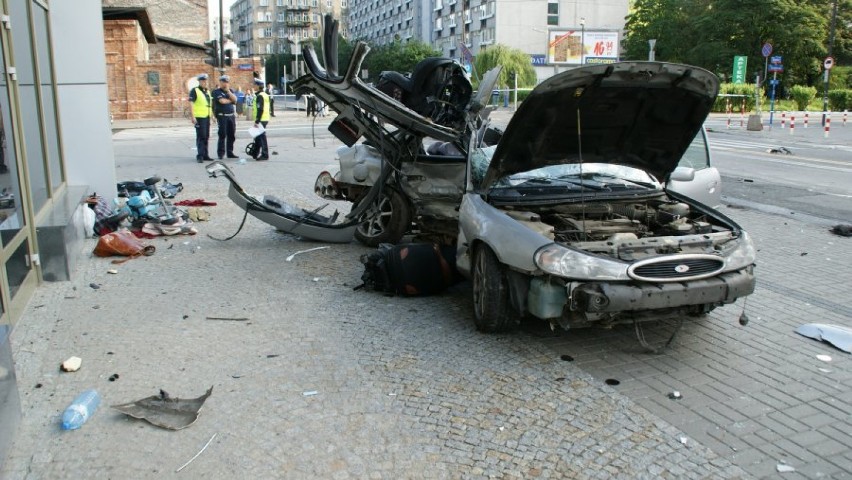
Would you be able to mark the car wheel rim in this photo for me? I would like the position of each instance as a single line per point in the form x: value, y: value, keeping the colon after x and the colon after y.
x: 378, y: 218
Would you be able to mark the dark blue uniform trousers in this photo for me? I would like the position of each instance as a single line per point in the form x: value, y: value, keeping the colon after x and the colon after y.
x: 202, y: 135
x: 227, y: 132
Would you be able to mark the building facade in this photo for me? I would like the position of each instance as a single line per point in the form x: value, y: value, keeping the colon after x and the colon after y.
x: 55, y: 148
x: 267, y: 27
x: 381, y: 22
x: 550, y: 31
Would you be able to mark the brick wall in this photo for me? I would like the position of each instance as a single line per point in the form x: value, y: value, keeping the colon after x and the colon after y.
x: 185, y: 20
x: 157, y: 87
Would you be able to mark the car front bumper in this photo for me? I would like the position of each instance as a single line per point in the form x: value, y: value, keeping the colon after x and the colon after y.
x: 606, y: 297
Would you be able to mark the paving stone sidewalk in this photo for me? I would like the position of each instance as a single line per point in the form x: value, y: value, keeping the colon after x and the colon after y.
x: 406, y: 388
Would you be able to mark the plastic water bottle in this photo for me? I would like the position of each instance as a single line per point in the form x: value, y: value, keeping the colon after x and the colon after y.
x: 80, y: 410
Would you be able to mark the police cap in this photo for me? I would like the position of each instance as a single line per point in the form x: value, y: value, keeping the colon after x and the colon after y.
x: 224, y: 78
x: 202, y: 76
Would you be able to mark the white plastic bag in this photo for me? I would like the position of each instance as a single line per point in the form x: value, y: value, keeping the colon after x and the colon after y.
x: 255, y: 131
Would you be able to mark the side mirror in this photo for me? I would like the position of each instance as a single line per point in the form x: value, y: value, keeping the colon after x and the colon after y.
x: 683, y: 174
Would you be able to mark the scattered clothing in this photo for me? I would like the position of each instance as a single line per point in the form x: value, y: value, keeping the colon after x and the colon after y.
x: 196, y: 202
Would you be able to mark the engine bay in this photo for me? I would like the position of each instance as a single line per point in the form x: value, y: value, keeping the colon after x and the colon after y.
x: 628, y: 230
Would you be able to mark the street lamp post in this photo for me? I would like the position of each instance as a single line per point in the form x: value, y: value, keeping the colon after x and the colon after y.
x: 582, y: 39
x: 651, y: 53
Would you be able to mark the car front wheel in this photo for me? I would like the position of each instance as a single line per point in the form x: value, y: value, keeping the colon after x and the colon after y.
x: 491, y: 306
x: 385, y: 221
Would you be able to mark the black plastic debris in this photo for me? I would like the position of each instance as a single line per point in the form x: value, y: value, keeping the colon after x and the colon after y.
x: 566, y: 358
x: 164, y: 411
x: 842, y: 230
x: 675, y: 395
x: 837, y: 335
x: 611, y: 381
x: 780, y: 150
x: 113, y: 377
x: 94, y: 286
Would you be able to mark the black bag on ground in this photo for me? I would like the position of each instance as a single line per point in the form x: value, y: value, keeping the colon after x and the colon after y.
x: 409, y: 269
x: 253, y: 149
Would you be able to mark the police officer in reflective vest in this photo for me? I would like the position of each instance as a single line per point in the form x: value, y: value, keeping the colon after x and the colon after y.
x: 224, y: 106
x: 261, y: 116
x: 199, y: 100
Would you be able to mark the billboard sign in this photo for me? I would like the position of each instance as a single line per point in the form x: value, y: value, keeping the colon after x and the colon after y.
x: 575, y: 47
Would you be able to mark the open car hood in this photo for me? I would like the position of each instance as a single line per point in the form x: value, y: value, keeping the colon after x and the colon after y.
x: 638, y: 114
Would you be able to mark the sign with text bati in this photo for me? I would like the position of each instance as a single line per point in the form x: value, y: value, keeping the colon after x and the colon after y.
x: 739, y: 75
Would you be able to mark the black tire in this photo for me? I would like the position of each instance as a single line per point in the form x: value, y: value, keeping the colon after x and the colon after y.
x: 386, y: 221
x: 491, y: 306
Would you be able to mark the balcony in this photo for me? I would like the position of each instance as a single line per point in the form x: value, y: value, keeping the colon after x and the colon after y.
x: 299, y: 8
x: 292, y: 22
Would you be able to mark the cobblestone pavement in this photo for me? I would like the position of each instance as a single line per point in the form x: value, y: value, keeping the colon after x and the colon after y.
x: 405, y: 387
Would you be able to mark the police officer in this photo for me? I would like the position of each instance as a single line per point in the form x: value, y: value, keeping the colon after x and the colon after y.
x: 200, y: 102
x: 262, y: 106
x: 224, y: 105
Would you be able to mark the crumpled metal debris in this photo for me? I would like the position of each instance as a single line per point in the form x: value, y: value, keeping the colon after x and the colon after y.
x: 164, y: 411
x: 837, y: 335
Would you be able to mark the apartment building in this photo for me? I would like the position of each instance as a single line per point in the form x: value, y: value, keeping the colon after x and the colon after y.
x: 379, y: 21
x: 555, y: 33
x: 266, y: 27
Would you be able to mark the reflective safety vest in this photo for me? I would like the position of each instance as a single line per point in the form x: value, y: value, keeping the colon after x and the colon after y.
x: 201, y: 105
x: 264, y: 115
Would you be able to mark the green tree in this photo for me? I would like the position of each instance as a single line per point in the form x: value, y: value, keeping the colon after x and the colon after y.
x: 512, y: 60
x: 397, y: 57
x: 708, y: 33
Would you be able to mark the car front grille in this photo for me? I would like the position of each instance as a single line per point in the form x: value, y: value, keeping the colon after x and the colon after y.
x: 676, y: 269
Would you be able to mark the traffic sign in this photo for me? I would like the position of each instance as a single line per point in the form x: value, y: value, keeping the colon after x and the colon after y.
x: 776, y: 67
x: 766, y: 50
x: 774, y: 81
x: 775, y: 59
x: 828, y: 63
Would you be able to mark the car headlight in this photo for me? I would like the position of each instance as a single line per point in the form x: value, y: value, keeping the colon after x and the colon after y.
x: 566, y: 262
x: 742, y: 255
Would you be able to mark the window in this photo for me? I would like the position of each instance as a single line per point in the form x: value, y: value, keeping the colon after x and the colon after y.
x: 267, y: 32
x: 438, y: 25
x: 280, y: 3
x: 552, y: 12
x: 438, y: 5
x: 268, y: 17
x: 259, y: 33
x: 264, y: 3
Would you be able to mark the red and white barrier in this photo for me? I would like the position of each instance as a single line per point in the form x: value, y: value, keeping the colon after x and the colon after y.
x: 827, y: 123
x: 792, y: 123
x: 844, y: 117
x: 783, y: 117
x: 742, y: 113
x: 728, y: 111
x: 806, y: 119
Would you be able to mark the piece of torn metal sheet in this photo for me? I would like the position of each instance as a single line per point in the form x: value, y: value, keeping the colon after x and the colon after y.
x: 837, y: 335
x: 164, y: 411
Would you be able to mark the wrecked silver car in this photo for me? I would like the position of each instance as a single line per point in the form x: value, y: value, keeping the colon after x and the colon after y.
x: 568, y: 218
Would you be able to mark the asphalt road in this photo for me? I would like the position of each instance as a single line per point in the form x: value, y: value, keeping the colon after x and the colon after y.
x: 813, y: 180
